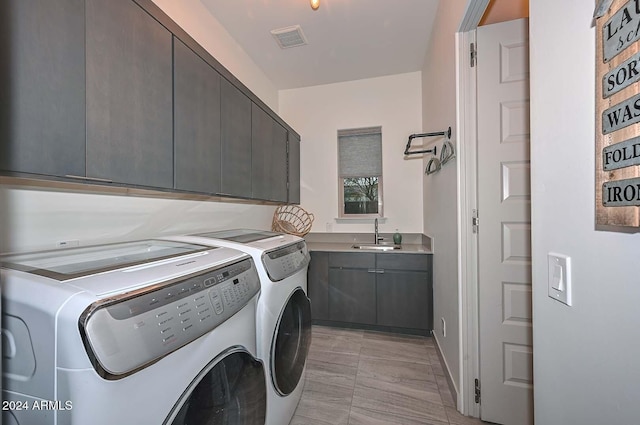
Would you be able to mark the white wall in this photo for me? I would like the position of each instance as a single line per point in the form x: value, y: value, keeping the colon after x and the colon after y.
x: 33, y: 218
x: 198, y: 21
x: 440, y: 189
x: 586, y: 367
x: 318, y: 112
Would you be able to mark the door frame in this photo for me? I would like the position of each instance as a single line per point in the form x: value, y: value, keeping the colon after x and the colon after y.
x: 466, y: 108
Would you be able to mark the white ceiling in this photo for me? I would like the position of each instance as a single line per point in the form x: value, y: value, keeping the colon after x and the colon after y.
x: 348, y: 39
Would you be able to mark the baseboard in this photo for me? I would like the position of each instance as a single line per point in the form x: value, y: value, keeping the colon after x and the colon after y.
x: 378, y: 328
x: 443, y: 360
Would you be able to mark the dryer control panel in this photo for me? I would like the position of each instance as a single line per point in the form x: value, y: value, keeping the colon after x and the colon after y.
x: 131, y: 331
x: 286, y: 261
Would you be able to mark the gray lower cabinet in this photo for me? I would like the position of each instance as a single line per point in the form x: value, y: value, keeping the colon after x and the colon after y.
x: 236, y: 142
x: 129, y: 83
x: 318, y: 285
x: 42, y: 87
x: 196, y: 122
x: 268, y: 157
x: 403, y: 299
x: 387, y: 291
x: 352, y: 296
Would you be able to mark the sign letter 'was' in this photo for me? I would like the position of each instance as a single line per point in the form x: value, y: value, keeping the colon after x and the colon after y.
x: 621, y: 30
x: 621, y: 115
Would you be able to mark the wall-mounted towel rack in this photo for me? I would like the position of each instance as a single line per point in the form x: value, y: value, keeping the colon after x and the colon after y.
x: 434, y: 150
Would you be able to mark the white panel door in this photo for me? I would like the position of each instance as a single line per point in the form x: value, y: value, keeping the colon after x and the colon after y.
x: 504, y: 236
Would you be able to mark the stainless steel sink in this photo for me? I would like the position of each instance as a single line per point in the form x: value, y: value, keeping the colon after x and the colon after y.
x: 377, y: 247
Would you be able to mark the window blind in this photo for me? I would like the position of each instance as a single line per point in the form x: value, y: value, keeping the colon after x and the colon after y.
x: 360, y: 152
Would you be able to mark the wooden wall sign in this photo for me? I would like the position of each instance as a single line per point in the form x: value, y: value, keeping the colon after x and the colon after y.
x: 618, y: 117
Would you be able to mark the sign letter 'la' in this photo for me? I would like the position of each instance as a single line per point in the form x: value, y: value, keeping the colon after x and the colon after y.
x: 621, y: 30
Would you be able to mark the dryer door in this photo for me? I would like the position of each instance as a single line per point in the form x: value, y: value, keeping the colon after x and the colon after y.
x: 291, y: 343
x: 230, y: 390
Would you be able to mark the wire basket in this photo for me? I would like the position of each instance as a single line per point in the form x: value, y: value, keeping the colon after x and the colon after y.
x: 292, y: 219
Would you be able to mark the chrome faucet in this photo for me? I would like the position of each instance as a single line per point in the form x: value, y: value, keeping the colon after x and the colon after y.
x: 376, y: 235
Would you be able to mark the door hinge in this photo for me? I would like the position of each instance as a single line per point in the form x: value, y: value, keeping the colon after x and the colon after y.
x: 477, y: 390
x: 472, y: 54
x: 475, y: 221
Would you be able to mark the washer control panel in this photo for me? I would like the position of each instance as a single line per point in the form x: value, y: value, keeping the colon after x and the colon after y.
x: 284, y: 262
x: 130, y: 332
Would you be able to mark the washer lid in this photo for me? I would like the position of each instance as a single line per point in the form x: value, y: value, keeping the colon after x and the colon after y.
x: 72, y: 263
x: 241, y: 235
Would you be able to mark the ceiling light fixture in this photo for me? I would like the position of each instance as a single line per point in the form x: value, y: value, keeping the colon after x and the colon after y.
x: 315, y: 4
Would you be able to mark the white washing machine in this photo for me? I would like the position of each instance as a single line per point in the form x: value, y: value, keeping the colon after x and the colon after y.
x: 149, y: 332
x: 284, y: 310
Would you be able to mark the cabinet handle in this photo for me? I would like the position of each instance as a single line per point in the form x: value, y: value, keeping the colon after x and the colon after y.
x: 94, y: 179
x: 380, y: 271
x: 372, y: 271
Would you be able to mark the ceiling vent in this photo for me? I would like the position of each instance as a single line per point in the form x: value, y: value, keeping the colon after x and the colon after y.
x: 289, y: 37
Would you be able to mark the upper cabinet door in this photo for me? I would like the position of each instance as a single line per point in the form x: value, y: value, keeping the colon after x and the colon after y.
x: 269, y: 157
x: 279, y: 170
x: 196, y: 122
x: 236, y: 142
x: 129, y: 95
x: 294, y: 169
x: 42, y: 87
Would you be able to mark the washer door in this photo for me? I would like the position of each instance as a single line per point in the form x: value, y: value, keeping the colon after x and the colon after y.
x: 231, y: 390
x: 291, y: 343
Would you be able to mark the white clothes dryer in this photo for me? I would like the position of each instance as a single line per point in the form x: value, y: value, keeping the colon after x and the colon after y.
x: 148, y: 332
x: 284, y: 310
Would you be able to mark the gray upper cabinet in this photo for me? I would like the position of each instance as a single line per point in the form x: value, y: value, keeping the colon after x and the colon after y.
x: 196, y: 122
x: 294, y: 168
x: 129, y: 95
x: 42, y: 87
x: 268, y: 157
x: 116, y: 92
x: 236, y: 142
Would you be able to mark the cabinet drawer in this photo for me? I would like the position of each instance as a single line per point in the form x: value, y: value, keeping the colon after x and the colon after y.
x: 355, y: 260
x: 417, y: 262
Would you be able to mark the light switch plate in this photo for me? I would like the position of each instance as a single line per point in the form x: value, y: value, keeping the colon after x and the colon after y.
x: 560, y: 277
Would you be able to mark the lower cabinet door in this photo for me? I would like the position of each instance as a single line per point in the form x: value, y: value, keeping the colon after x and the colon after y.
x: 404, y: 300
x: 318, y: 285
x: 352, y: 296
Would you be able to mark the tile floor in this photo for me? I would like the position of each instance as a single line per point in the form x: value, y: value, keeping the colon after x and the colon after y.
x: 357, y: 377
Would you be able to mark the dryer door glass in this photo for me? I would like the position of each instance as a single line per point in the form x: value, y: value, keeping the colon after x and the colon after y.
x: 291, y: 344
x: 228, y: 392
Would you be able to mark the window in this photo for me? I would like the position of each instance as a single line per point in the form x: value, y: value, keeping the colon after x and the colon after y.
x: 360, y: 171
